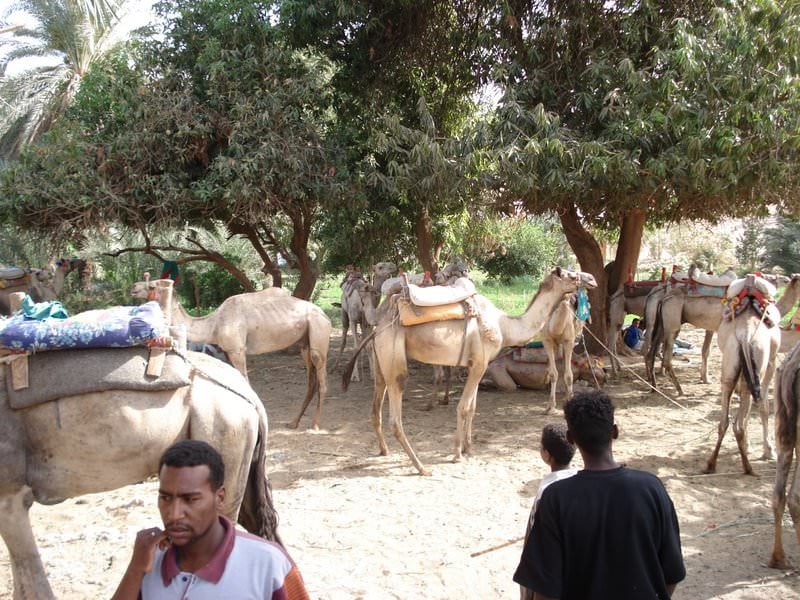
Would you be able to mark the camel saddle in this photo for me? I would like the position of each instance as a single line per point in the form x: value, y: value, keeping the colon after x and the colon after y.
x: 13, y: 277
x: 59, y: 374
x: 751, y: 292
x: 704, y: 285
x: 634, y: 289
x: 418, y: 305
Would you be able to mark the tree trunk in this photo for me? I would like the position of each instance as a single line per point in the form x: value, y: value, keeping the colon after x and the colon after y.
x: 270, y: 267
x: 590, y: 257
x: 301, y: 232
x: 425, y: 249
x: 630, y: 244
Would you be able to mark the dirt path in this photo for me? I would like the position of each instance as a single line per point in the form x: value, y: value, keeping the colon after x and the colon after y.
x: 364, y: 526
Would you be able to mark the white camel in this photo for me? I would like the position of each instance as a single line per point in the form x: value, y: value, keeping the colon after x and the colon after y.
x: 749, y: 343
x: 261, y: 322
x: 558, y: 338
x: 99, y: 441
x: 467, y: 342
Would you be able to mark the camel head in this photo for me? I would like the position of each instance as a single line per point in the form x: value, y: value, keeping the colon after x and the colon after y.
x: 572, y: 280
x: 384, y: 269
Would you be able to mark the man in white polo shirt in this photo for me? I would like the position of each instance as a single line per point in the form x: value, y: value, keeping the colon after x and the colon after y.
x: 200, y: 554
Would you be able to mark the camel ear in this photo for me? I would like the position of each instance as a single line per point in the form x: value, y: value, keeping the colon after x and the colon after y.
x: 557, y: 271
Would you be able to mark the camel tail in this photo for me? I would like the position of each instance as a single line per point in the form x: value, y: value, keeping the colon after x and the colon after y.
x: 750, y: 374
x: 787, y: 399
x: 655, y: 337
x: 348, y: 369
x: 257, y: 514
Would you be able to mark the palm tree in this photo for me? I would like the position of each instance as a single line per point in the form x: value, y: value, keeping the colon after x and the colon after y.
x: 74, y: 33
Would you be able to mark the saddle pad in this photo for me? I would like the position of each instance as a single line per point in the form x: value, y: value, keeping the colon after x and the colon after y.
x: 762, y: 285
x: 723, y: 280
x: 70, y: 372
x: 116, y: 327
x: 11, y: 273
x: 640, y: 288
x: 417, y: 315
x: 699, y: 290
x: 439, y: 295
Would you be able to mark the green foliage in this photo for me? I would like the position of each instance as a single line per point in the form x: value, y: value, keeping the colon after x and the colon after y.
x: 213, y: 286
x: 517, y: 247
x: 782, y: 245
x: 750, y: 247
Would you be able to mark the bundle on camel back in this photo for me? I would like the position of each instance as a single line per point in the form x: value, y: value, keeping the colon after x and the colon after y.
x: 452, y: 326
x: 56, y: 423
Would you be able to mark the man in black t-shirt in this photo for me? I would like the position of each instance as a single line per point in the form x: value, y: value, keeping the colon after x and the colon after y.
x: 606, y: 532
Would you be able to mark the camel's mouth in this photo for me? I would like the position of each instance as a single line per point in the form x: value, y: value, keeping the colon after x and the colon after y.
x: 587, y: 280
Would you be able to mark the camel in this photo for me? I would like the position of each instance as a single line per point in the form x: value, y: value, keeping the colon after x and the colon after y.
x: 261, y: 322
x: 749, y: 345
x: 382, y: 271
x: 43, y: 285
x: 359, y: 300
x: 677, y: 307
x: 558, y: 337
x: 100, y: 441
x: 787, y: 441
x: 508, y: 374
x: 790, y: 336
x: 466, y: 342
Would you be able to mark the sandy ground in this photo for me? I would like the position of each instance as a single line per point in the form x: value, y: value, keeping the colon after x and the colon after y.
x: 365, y: 526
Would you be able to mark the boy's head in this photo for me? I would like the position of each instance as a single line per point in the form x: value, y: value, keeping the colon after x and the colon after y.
x: 635, y: 323
x: 554, y: 442
x: 590, y: 421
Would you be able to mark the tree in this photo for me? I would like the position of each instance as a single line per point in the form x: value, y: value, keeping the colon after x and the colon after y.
x: 229, y: 127
x: 619, y: 114
x: 782, y: 245
x: 75, y: 33
x: 405, y: 75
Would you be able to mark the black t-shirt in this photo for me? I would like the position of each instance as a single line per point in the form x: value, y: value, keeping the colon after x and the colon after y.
x: 603, y: 534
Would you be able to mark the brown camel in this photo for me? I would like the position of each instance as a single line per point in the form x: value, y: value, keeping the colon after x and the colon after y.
x: 468, y: 342
x: 382, y: 271
x: 261, y: 322
x: 749, y: 345
x: 508, y: 374
x: 99, y: 441
x: 787, y: 441
x: 43, y: 285
x: 359, y: 300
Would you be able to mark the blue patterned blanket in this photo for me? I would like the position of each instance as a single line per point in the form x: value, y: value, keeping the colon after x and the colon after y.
x: 116, y: 327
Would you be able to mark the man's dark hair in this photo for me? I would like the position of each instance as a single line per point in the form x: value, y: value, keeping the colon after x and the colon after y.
x: 194, y: 453
x: 554, y: 440
x: 590, y: 420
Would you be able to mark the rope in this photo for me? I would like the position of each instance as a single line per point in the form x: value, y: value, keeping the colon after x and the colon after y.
x: 635, y: 374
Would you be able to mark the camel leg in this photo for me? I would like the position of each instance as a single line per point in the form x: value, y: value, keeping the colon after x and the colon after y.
x: 778, y: 559
x: 312, y: 385
x: 552, y: 373
x: 465, y: 412
x: 378, y: 394
x: 727, y: 392
x: 611, y: 341
x: 238, y: 359
x: 30, y: 580
x: 395, y: 390
x: 666, y: 363
x: 764, y: 408
x: 704, y: 356
x: 345, y: 327
x: 501, y: 378
x: 568, y: 376
x: 740, y: 427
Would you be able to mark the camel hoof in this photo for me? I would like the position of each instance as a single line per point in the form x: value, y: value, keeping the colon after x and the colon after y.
x: 779, y: 562
x: 294, y: 424
x: 444, y: 402
x: 710, y: 469
x: 425, y: 472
